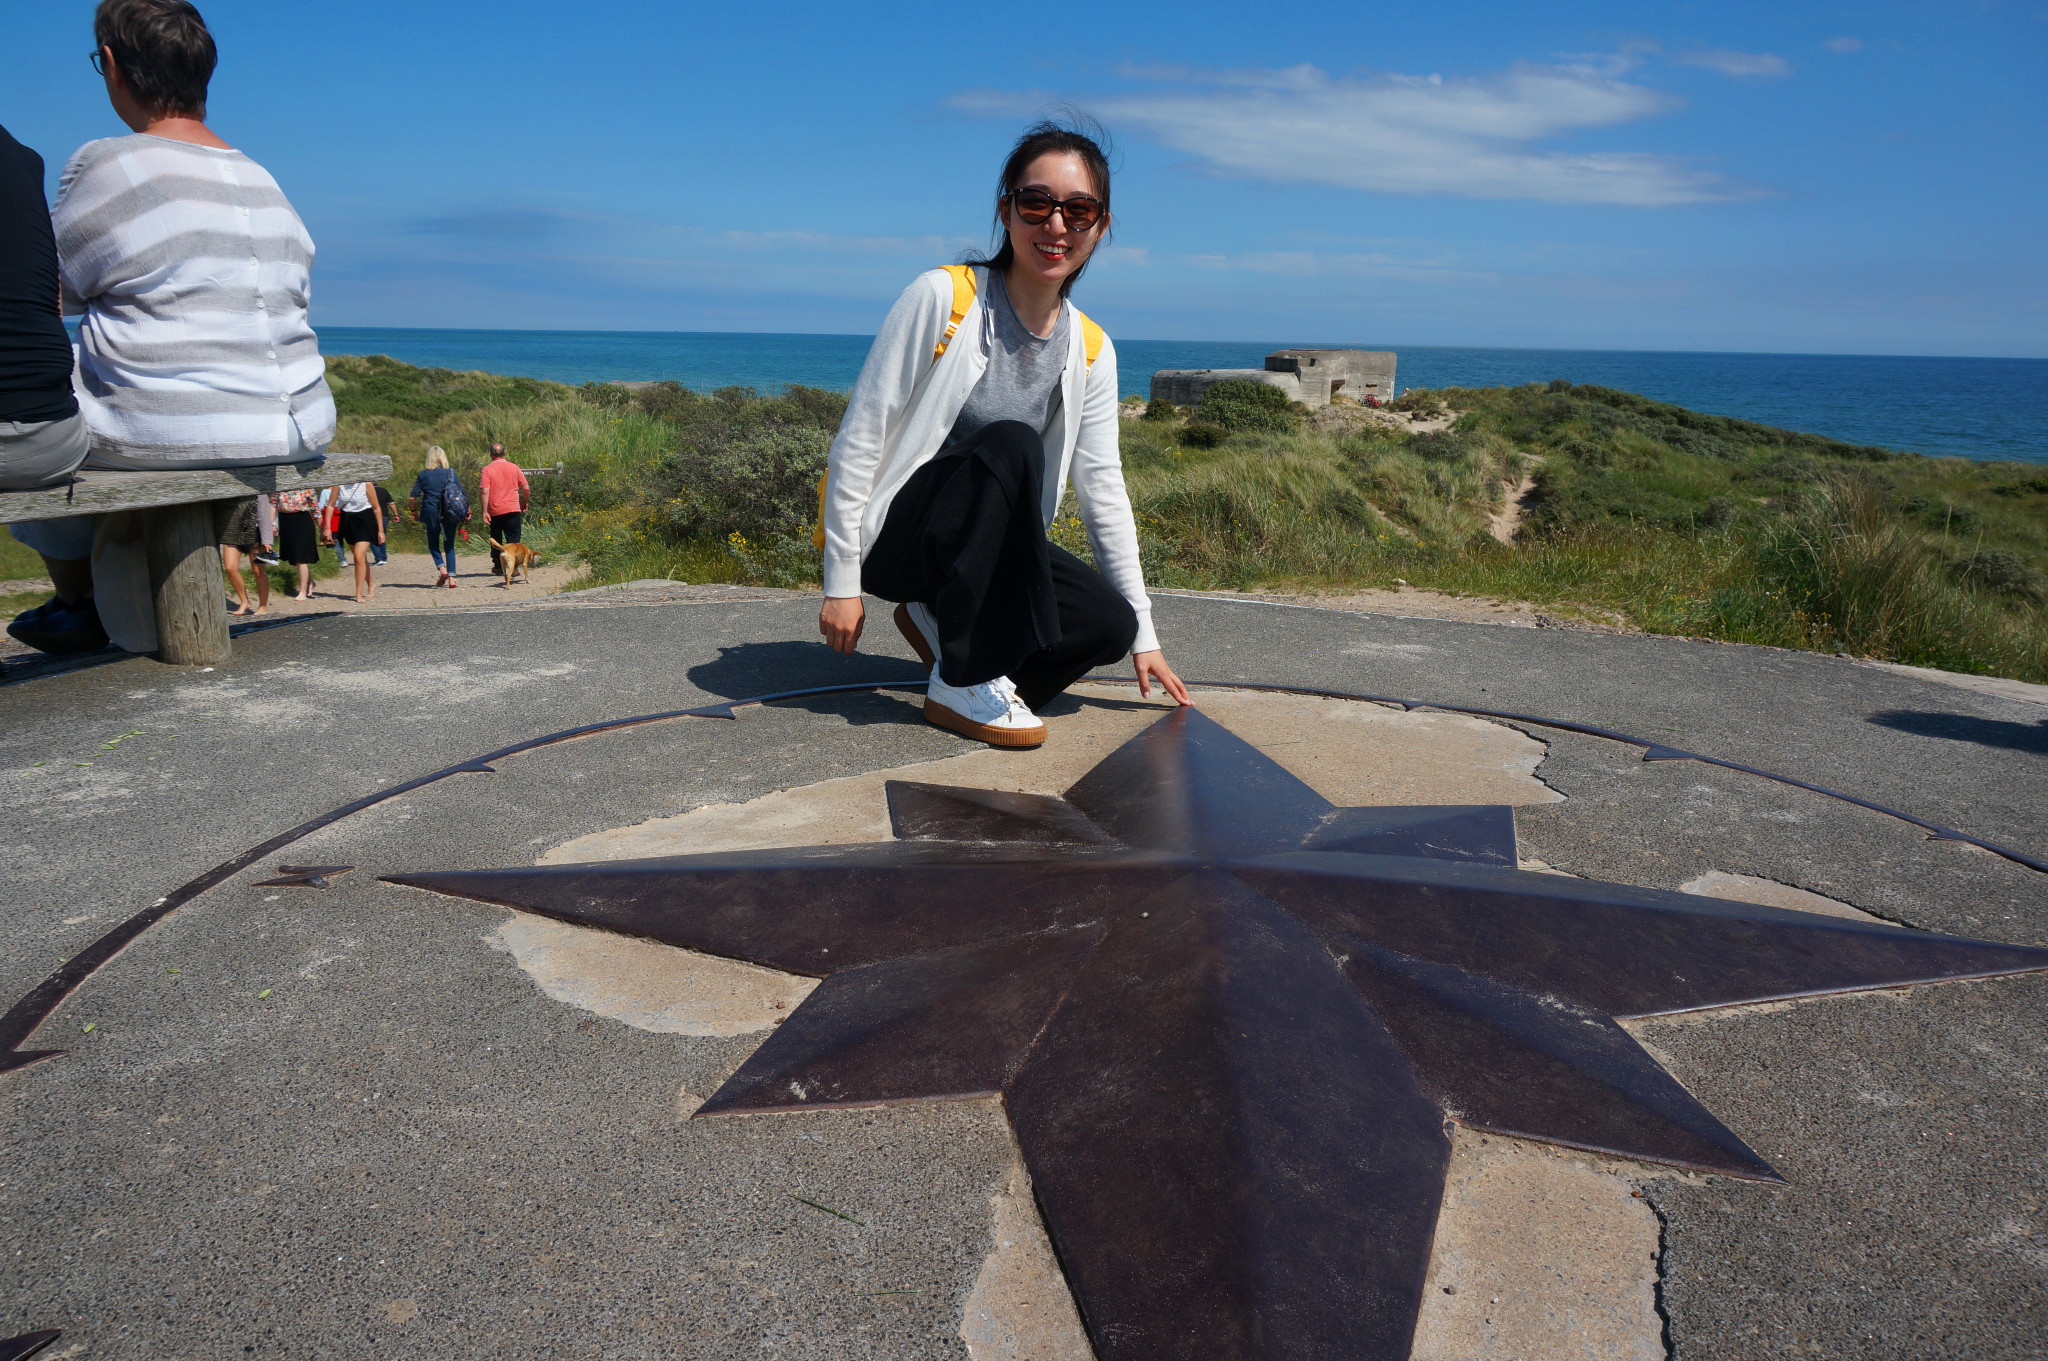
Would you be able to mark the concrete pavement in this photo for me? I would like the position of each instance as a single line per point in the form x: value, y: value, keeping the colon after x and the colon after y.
x: 407, y: 1147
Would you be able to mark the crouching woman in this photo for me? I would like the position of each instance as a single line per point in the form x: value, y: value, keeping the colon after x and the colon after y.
x: 985, y: 393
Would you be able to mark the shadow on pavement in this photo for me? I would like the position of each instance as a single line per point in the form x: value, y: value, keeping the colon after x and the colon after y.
x: 768, y: 668
x: 1985, y: 732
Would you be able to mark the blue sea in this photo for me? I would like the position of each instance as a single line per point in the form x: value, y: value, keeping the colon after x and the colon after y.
x: 1973, y: 408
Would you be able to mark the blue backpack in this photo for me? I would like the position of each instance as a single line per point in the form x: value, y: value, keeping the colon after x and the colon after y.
x: 454, y: 501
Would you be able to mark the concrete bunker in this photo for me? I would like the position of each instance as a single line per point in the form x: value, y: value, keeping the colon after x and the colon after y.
x: 1311, y: 377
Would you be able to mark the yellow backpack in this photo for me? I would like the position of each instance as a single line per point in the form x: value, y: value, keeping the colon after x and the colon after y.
x: 1092, y: 338
x: 963, y: 298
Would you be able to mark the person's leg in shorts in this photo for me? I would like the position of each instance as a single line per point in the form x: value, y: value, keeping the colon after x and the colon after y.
x: 238, y: 539
x: 358, y: 531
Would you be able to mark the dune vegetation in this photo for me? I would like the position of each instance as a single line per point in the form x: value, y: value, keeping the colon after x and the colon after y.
x: 1666, y: 519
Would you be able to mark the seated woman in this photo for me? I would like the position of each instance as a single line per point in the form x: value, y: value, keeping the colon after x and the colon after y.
x: 985, y: 391
x: 191, y: 274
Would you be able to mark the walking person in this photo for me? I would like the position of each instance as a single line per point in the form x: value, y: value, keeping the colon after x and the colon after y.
x: 239, y: 540
x: 298, y: 535
x: 387, y: 506
x: 505, y: 495
x: 266, y: 531
x: 984, y: 392
x: 441, y: 508
x: 359, y: 528
x: 330, y: 525
x: 192, y: 274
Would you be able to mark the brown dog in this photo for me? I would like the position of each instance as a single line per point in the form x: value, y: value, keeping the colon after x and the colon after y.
x: 513, y: 557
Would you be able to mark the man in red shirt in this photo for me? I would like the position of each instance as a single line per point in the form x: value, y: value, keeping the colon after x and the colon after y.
x: 506, y: 493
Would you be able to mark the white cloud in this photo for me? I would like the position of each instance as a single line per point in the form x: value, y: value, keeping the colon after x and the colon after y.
x: 1740, y: 65
x: 1399, y: 134
x: 1844, y: 44
x: 1622, y: 60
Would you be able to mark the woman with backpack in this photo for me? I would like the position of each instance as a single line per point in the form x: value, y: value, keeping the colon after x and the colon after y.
x: 985, y: 392
x: 439, y: 503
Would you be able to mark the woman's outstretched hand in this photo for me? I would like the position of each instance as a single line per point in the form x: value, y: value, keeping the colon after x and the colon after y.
x: 1151, y: 666
x: 840, y: 621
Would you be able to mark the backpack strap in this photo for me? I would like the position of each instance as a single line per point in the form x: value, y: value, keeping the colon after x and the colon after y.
x: 1092, y: 338
x: 963, y: 298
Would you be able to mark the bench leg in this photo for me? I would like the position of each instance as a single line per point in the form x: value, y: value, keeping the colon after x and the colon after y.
x: 185, y: 581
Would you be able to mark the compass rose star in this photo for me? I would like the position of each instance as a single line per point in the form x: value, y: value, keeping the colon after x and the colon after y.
x: 1228, y: 1020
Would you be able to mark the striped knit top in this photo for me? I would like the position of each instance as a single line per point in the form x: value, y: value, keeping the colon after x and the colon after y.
x: 193, y: 274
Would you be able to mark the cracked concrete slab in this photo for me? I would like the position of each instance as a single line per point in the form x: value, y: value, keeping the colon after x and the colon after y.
x: 1751, y: 888
x: 650, y: 987
x: 1019, y: 1309
x: 1540, y: 1252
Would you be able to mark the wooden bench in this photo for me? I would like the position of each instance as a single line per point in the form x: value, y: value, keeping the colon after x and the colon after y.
x: 180, y: 527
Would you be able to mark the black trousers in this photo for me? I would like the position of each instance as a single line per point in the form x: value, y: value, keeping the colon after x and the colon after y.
x: 505, y: 529
x: 964, y: 537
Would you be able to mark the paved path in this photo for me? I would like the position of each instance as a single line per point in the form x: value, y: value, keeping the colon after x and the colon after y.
x: 407, y: 1148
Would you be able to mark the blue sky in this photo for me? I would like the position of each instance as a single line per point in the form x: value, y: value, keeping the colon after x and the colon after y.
x: 1821, y: 177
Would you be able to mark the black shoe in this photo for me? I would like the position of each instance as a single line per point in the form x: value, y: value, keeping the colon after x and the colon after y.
x: 266, y: 557
x: 60, y: 631
x: 49, y: 607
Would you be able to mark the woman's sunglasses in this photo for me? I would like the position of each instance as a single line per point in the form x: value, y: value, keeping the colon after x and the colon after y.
x: 1035, y: 207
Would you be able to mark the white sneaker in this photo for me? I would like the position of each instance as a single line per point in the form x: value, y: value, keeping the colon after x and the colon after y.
x: 989, y: 712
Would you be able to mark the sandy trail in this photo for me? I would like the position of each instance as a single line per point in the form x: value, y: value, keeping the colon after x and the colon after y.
x: 407, y: 583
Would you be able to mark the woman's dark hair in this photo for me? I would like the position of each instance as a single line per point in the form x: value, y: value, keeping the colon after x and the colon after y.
x: 164, y: 52
x: 1084, y: 138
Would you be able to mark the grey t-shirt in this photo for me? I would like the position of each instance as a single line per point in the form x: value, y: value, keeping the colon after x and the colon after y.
x: 1022, y: 381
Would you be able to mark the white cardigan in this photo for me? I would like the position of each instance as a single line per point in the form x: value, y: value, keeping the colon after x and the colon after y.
x: 904, y: 406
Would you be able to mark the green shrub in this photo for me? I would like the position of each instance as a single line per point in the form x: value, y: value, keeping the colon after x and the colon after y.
x: 1420, y: 400
x: 1797, y: 469
x: 1247, y: 406
x: 377, y: 385
x: 610, y: 396
x: 2037, y: 484
x: 669, y: 401
x: 1201, y: 435
x: 1159, y: 409
x: 1865, y: 582
x: 761, y: 485
x: 2001, y: 572
x: 1438, y: 445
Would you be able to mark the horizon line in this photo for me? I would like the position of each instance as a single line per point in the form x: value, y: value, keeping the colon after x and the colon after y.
x: 1146, y: 340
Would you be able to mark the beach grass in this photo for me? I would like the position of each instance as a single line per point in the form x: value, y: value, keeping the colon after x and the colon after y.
x: 1637, y: 512
x: 19, y: 562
